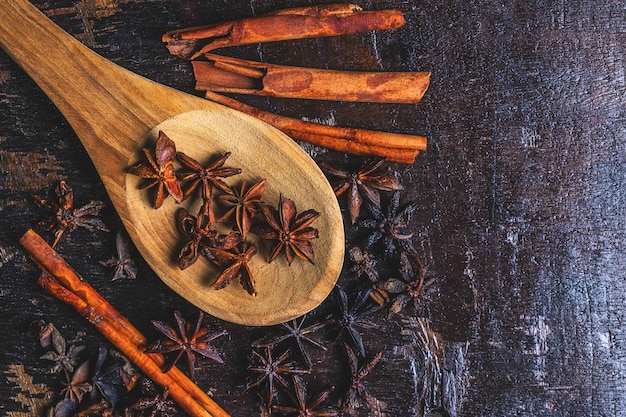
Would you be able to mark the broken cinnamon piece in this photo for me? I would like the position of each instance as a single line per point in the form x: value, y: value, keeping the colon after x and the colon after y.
x: 233, y: 75
x: 300, y: 23
x: 55, y: 266
x: 392, y: 146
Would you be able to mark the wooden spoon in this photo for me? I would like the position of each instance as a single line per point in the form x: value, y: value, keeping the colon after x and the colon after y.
x: 115, y: 112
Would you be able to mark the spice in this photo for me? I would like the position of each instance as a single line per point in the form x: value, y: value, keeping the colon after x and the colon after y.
x: 242, y: 204
x: 185, y: 340
x: 365, y: 182
x: 63, y: 358
x: 124, y: 265
x: 77, y: 386
x: 289, y: 230
x: 352, y: 317
x: 160, y: 171
x: 304, y: 407
x: 357, y: 394
x: 236, y: 264
x: 299, y: 334
x: 410, y: 287
x: 68, y: 218
x: 157, y: 406
x: 271, y: 370
x: 62, y: 281
x: 391, y: 226
x: 194, y: 174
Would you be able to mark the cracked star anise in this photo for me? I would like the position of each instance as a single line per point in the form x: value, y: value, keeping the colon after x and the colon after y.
x: 366, y: 182
x: 291, y: 232
x: 124, y: 265
x: 235, y: 263
x: 195, y: 174
x: 157, y: 406
x: 68, y: 218
x: 391, y: 226
x: 185, y: 340
x: 410, y: 287
x: 201, y: 235
x: 357, y: 394
x: 243, y: 204
x: 160, y: 171
x: 271, y: 370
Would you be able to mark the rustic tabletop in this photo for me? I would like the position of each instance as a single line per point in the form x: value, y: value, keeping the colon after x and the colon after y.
x: 518, y: 215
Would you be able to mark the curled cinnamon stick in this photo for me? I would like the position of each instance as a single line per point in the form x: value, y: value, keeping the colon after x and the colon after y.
x: 63, y: 282
x: 393, y: 147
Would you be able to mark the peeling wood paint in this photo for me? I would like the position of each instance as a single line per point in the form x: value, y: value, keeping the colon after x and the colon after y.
x: 33, y: 397
x: 21, y: 171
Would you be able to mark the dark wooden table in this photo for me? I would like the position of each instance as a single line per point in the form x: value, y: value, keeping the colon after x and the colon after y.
x: 520, y: 204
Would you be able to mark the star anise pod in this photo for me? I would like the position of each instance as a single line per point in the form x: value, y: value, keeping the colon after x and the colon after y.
x: 365, y: 182
x: 105, y: 379
x: 352, y: 317
x: 243, y: 204
x: 235, y: 263
x: 185, y: 340
x: 364, y: 263
x: 99, y: 409
x: 410, y: 287
x: 66, y: 217
x: 124, y: 265
x: 357, y: 394
x: 62, y: 357
x: 201, y: 235
x: 271, y: 370
x: 195, y: 174
x: 290, y: 231
x: 305, y: 408
x: 160, y: 171
x: 157, y: 406
x: 299, y: 334
x: 391, y: 225
x: 77, y: 386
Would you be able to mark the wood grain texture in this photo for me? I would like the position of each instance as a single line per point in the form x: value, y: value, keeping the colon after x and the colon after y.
x: 520, y: 199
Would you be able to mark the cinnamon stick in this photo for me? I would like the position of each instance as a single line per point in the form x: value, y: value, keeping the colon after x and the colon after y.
x: 393, y: 147
x: 63, y: 282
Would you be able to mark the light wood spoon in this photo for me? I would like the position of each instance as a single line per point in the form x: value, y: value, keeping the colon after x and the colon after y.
x: 115, y: 112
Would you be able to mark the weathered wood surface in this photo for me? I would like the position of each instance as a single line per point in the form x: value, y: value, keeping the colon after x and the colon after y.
x: 520, y: 200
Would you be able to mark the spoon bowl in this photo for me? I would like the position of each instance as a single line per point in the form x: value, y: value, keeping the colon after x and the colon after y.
x: 115, y: 113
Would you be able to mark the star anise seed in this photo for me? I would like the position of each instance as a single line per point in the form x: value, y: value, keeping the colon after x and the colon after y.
x: 271, y: 370
x: 66, y: 218
x: 186, y: 341
x: 392, y: 226
x: 160, y: 171
x: 235, y: 261
x: 243, y: 204
x: 195, y: 174
x: 290, y: 231
x: 365, y: 182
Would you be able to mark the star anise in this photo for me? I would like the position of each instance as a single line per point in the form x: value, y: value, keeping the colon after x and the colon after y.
x: 410, y: 287
x: 66, y: 217
x: 77, y: 386
x: 365, y: 182
x: 243, y: 204
x: 305, y: 408
x: 357, y: 394
x: 353, y: 316
x: 290, y: 231
x: 157, y: 406
x: 364, y: 263
x: 198, y: 230
x: 62, y: 357
x: 300, y: 336
x: 195, y: 174
x: 392, y: 225
x: 270, y: 370
x: 235, y: 263
x: 99, y: 409
x: 160, y: 171
x: 186, y: 340
x: 124, y: 265
x: 105, y: 379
